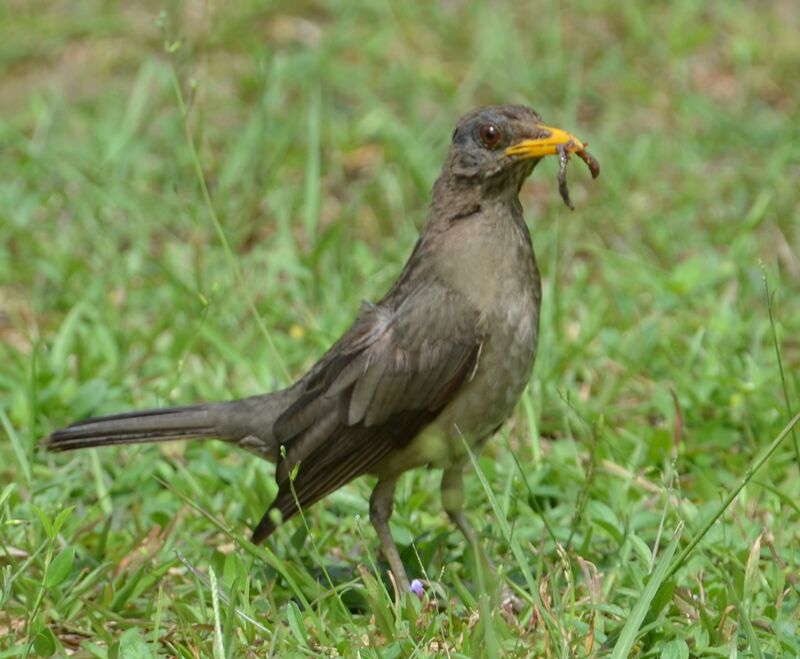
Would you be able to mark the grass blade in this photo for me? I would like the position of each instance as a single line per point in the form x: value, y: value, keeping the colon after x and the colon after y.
x: 779, y: 359
x: 628, y: 635
x: 744, y: 480
x: 516, y: 549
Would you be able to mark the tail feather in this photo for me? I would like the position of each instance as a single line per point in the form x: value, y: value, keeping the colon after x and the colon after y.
x: 247, y: 422
x: 158, y: 425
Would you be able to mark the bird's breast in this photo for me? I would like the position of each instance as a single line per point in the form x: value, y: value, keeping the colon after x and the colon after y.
x: 496, y: 271
x: 504, y: 368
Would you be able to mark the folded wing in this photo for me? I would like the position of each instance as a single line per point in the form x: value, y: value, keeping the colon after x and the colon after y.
x: 377, y: 387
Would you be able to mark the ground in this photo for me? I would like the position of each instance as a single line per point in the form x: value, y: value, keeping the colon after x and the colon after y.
x: 669, y: 351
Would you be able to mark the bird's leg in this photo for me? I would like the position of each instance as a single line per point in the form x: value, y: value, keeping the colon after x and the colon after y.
x: 453, y: 504
x: 380, y: 510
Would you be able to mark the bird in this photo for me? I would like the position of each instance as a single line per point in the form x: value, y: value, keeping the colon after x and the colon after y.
x: 422, y: 377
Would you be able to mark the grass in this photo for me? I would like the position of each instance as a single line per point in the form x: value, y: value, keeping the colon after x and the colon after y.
x: 668, y: 354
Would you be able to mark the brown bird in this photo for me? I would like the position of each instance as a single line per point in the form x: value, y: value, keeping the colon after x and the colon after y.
x: 438, y: 364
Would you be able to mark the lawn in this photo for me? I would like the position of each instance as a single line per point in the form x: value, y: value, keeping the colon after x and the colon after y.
x: 621, y: 502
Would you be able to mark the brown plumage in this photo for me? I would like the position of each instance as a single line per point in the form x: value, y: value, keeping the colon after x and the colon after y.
x: 440, y: 360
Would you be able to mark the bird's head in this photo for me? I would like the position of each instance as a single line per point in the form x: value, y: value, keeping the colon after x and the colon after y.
x: 495, y: 148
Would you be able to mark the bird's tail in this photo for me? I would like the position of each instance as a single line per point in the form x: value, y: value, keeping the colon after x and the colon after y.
x: 159, y: 425
x: 247, y: 422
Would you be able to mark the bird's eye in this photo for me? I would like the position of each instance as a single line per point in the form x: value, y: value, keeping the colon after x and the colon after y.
x: 490, y: 135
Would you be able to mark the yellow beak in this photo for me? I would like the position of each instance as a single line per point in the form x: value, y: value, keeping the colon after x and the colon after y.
x: 546, y: 145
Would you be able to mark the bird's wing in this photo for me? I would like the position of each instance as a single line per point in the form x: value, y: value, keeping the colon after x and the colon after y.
x: 375, y: 389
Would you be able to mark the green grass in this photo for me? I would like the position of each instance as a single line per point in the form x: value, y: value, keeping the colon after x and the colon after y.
x: 319, y: 128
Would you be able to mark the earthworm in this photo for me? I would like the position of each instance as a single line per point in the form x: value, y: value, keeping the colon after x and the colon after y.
x: 563, y: 159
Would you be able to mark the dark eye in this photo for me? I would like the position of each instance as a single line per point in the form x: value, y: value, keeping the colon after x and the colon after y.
x: 490, y: 135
